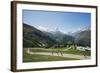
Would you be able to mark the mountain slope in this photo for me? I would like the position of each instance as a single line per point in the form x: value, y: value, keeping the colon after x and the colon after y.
x: 83, y: 37
x: 33, y: 37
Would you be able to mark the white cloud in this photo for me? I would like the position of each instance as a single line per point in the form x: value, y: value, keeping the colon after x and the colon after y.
x: 42, y: 28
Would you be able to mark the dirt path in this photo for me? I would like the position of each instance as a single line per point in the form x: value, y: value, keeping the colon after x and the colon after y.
x: 55, y: 54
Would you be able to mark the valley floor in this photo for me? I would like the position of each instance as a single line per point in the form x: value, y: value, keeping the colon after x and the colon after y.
x: 47, y: 55
x: 81, y: 57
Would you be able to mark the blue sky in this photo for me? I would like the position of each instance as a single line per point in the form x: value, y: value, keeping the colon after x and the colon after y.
x: 50, y: 20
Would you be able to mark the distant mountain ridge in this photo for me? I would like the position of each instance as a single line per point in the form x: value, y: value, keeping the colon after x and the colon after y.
x: 33, y: 37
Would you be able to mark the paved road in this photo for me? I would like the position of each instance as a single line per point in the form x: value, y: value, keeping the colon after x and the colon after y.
x: 55, y: 54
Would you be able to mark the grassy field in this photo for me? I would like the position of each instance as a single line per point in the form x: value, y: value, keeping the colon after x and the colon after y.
x: 74, y: 51
x: 38, y: 58
x: 63, y: 50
